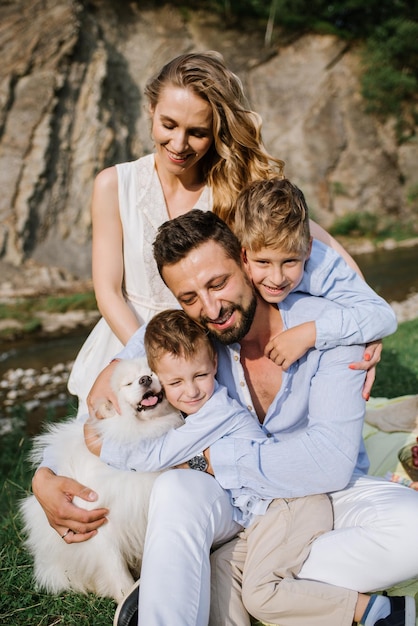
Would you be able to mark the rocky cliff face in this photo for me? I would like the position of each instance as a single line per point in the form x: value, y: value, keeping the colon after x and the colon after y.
x: 71, y: 81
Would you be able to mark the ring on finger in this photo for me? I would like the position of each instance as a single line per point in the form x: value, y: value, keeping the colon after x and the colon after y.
x: 66, y: 533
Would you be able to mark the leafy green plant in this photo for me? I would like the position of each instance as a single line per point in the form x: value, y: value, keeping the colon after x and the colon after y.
x: 338, y: 189
x: 412, y: 194
x: 389, y: 81
x: 359, y: 224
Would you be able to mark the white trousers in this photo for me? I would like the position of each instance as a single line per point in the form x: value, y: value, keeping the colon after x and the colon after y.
x: 374, y: 544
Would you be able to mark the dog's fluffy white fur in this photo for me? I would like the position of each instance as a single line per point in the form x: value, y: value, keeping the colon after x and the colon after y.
x: 108, y: 563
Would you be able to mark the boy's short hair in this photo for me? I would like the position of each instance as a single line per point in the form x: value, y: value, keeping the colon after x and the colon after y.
x: 174, y: 332
x: 176, y: 238
x: 272, y: 214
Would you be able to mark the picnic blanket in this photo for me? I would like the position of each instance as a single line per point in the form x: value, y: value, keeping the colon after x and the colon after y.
x: 390, y: 424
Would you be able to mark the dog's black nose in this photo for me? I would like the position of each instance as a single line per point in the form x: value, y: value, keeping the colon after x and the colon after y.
x: 145, y: 381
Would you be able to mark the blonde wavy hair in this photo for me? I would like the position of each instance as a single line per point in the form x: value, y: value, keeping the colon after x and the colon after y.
x: 237, y: 155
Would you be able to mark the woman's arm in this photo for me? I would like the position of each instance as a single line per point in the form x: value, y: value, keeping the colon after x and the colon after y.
x: 107, y: 256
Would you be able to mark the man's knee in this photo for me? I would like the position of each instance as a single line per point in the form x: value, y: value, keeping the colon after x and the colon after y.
x: 181, y: 491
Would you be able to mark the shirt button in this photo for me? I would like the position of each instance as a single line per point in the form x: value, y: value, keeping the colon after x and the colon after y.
x: 250, y: 408
x: 236, y: 357
x: 242, y: 383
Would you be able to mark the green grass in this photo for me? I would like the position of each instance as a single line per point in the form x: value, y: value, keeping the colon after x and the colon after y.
x: 397, y: 373
x: 23, y: 309
x: 22, y: 605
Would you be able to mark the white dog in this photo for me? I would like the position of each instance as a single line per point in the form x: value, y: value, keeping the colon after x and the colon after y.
x: 108, y: 563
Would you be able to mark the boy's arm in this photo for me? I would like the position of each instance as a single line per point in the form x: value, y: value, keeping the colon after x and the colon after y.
x: 363, y: 316
x: 221, y: 416
x: 290, y: 345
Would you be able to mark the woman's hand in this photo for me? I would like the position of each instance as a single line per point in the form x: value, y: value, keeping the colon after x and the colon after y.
x: 55, y: 495
x: 92, y: 439
x: 102, y: 391
x: 371, y: 358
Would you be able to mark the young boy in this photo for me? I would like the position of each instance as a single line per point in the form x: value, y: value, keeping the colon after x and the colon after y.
x: 271, y: 221
x: 277, y: 533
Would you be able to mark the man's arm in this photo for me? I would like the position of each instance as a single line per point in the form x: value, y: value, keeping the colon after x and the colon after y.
x: 55, y: 495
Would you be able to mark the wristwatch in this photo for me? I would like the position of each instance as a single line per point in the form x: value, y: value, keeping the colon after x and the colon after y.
x: 198, y: 462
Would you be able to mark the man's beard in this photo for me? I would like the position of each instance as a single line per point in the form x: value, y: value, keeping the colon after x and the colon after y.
x: 237, y: 332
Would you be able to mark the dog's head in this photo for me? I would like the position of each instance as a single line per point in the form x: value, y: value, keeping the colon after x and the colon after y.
x: 145, y: 411
x: 136, y: 385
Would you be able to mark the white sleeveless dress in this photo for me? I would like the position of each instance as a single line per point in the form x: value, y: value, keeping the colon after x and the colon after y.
x: 142, y: 210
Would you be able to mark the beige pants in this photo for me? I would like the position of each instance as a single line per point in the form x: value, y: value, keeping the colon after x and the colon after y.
x: 256, y: 572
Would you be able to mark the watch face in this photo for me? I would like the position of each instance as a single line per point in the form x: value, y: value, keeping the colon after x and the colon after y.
x: 198, y: 463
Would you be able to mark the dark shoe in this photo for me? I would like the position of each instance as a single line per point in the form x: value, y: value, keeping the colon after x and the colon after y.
x: 402, y: 612
x: 127, y: 611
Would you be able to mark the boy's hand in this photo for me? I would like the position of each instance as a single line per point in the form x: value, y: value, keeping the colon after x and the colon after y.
x: 289, y: 345
x: 371, y: 358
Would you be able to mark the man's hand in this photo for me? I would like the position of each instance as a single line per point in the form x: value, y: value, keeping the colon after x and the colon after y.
x: 55, y: 495
x: 371, y: 358
x: 288, y: 346
x: 102, y: 391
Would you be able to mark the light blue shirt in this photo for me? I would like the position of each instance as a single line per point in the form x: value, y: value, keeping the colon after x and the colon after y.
x: 314, y: 423
x: 333, y: 405
x: 221, y: 417
x: 316, y: 419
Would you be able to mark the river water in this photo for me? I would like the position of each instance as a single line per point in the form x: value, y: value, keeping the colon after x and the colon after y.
x: 392, y: 273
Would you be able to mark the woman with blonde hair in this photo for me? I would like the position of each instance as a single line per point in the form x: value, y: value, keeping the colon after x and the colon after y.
x: 207, y: 147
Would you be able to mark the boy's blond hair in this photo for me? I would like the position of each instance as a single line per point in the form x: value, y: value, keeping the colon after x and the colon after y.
x: 173, y: 332
x: 272, y: 214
